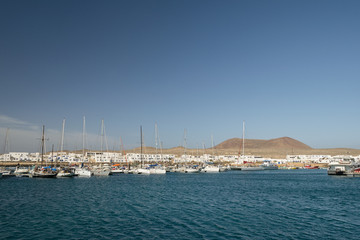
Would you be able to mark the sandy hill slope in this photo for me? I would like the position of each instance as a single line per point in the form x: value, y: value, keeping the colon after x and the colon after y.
x: 285, y: 142
x: 277, y: 143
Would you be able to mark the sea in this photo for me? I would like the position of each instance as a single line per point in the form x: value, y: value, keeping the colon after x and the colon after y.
x: 280, y: 204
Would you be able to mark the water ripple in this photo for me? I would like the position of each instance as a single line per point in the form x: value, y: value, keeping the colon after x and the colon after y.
x: 234, y: 205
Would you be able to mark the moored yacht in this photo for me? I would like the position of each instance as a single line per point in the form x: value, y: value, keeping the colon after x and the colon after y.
x: 191, y: 170
x: 235, y: 167
x: 7, y: 173
x: 224, y: 169
x: 83, y: 172
x: 252, y: 168
x: 210, y: 169
x: 100, y: 171
x: 269, y: 166
x: 43, y: 172
x: 187, y: 169
x: 116, y: 169
x: 141, y: 171
x: 65, y: 173
x: 22, y: 172
x: 157, y: 170
x: 311, y: 167
x: 344, y: 166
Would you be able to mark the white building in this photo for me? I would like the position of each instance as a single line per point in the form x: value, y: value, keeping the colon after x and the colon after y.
x: 15, y: 157
x: 104, y: 157
x: 308, y: 158
x: 161, y: 158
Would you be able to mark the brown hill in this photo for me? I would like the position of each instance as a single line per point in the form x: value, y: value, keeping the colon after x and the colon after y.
x: 286, y: 143
x: 236, y: 143
x: 277, y: 143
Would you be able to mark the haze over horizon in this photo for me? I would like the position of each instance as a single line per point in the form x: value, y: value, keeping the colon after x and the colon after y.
x: 286, y: 68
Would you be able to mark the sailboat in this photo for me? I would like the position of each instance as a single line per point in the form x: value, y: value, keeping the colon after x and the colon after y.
x: 117, y: 168
x: 102, y: 170
x: 186, y: 168
x: 64, y: 172
x: 5, y: 172
x: 21, y: 171
x: 248, y: 167
x: 238, y: 167
x: 211, y: 168
x: 83, y: 171
x: 157, y: 169
x: 43, y: 172
x: 141, y: 170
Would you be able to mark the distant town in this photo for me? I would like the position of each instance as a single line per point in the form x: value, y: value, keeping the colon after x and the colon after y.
x: 97, y: 157
x: 252, y: 151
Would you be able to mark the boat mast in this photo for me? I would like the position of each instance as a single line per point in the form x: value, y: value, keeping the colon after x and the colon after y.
x: 6, y: 146
x: 141, y: 146
x: 42, y: 144
x: 212, y: 146
x: 123, y: 150
x: 185, y: 143
x: 52, y: 154
x: 102, y: 135
x: 62, y: 136
x: 156, y: 140
x: 204, y: 151
x: 105, y: 139
x: 83, y: 140
x: 161, y: 148
x: 243, y: 141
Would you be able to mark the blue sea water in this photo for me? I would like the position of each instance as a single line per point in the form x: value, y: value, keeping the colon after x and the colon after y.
x: 283, y: 204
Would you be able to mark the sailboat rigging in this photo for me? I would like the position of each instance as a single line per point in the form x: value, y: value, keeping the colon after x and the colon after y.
x: 43, y: 172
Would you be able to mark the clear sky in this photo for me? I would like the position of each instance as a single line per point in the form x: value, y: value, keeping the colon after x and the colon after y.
x: 286, y: 68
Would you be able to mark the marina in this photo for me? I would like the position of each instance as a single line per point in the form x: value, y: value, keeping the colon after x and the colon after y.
x: 175, y: 82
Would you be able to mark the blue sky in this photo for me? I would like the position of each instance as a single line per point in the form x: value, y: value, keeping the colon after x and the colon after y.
x: 287, y: 68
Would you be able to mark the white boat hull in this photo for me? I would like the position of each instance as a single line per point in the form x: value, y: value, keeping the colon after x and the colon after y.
x: 117, y: 171
x: 223, y: 169
x: 42, y: 175
x: 252, y: 169
x: 271, y: 167
x: 157, y: 171
x: 19, y: 172
x: 211, y: 169
x: 191, y: 170
x: 142, y: 171
x: 101, y: 172
x: 64, y: 175
x: 83, y: 172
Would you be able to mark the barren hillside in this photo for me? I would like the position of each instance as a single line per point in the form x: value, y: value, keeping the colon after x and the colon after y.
x: 277, y: 143
x: 274, y: 148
